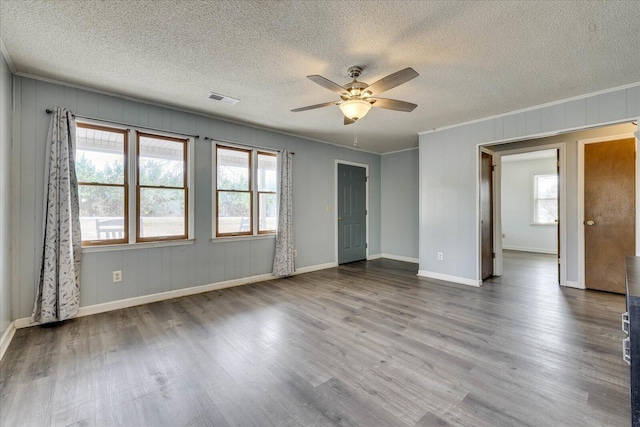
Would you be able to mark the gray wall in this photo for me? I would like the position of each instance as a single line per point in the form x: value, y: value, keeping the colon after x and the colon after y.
x: 517, y: 207
x: 400, y: 204
x: 148, y: 271
x: 449, y: 175
x: 6, y: 117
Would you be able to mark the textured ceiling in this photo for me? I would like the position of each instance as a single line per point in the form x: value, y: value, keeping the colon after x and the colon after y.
x: 475, y: 58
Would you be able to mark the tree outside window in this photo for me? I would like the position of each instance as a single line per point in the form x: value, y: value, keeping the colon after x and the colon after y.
x: 160, y: 195
x: 245, y: 190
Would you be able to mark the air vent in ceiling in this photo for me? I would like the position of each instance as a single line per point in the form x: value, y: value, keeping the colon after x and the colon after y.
x: 223, y: 99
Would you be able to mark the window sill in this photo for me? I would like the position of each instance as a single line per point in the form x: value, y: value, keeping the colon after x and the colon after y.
x: 242, y: 238
x: 130, y: 246
x: 544, y: 224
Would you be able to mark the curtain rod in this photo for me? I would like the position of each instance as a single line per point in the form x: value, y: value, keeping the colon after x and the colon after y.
x: 206, y: 138
x: 49, y: 111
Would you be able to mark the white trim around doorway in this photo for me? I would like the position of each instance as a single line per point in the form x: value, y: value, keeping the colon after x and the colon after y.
x: 561, y: 147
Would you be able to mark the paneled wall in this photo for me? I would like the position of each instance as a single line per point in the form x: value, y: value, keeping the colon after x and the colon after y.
x: 148, y: 271
x: 6, y: 106
x: 400, y: 205
x: 449, y: 175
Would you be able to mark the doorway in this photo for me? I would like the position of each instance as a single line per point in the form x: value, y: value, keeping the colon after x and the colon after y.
x: 352, y: 202
x: 529, y: 212
x: 538, y: 228
x: 607, y: 181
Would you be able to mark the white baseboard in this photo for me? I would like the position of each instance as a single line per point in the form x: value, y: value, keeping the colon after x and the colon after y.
x: 536, y: 250
x: 147, y: 299
x: 311, y: 268
x: 572, y: 284
x: 401, y: 258
x: 374, y: 256
x: 449, y: 278
x: 6, y: 338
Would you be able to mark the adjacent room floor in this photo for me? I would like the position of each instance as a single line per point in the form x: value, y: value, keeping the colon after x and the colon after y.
x: 368, y: 344
x: 529, y: 269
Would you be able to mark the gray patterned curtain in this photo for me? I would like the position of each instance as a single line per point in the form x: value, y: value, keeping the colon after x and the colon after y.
x: 283, y: 263
x: 58, y: 296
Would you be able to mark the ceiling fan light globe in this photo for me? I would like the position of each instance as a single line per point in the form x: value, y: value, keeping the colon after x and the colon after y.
x: 355, y: 109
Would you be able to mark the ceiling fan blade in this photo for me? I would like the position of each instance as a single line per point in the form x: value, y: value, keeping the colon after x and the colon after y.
x: 328, y: 84
x: 393, y: 80
x: 393, y: 104
x: 312, y: 107
x: 348, y: 121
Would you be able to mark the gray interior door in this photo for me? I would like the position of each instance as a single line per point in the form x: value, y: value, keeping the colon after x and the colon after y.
x: 352, y: 215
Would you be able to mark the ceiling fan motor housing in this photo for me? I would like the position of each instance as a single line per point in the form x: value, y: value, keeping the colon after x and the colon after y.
x: 354, y: 72
x: 356, y: 89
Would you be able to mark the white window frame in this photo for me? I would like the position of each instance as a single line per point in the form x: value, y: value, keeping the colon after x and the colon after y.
x: 132, y: 182
x: 535, y: 198
x: 254, y: 191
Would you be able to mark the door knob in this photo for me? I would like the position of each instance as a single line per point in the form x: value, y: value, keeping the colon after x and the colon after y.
x: 339, y: 218
x: 590, y: 222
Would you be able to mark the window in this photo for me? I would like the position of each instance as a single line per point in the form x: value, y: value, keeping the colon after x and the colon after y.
x: 162, y: 188
x: 545, y: 199
x: 238, y: 172
x: 267, y: 199
x: 154, y: 190
x: 101, y: 168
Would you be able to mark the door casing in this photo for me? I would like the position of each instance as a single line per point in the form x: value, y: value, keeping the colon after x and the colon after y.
x: 334, y: 211
x: 497, y: 208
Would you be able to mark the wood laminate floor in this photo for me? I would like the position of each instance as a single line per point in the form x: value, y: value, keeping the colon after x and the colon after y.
x: 365, y: 344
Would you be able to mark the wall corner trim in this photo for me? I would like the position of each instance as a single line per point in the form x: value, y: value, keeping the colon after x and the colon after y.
x: 6, y: 338
x: 25, y: 322
x: 449, y: 278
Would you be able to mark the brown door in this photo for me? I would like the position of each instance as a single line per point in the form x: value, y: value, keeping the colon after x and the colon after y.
x: 609, y: 212
x: 486, y: 214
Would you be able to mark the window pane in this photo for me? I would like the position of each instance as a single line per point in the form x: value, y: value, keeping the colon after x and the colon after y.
x: 267, y: 207
x: 267, y: 167
x: 547, y: 186
x: 162, y: 212
x: 234, y: 212
x: 99, y: 156
x: 547, y: 210
x: 232, y: 169
x: 161, y: 162
x: 101, y: 212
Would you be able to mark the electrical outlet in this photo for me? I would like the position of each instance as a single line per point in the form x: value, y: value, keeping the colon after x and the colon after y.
x: 117, y: 276
x: 295, y: 253
x: 440, y: 256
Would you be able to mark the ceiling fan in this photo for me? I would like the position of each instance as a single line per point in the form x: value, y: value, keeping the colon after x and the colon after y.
x: 357, y: 98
